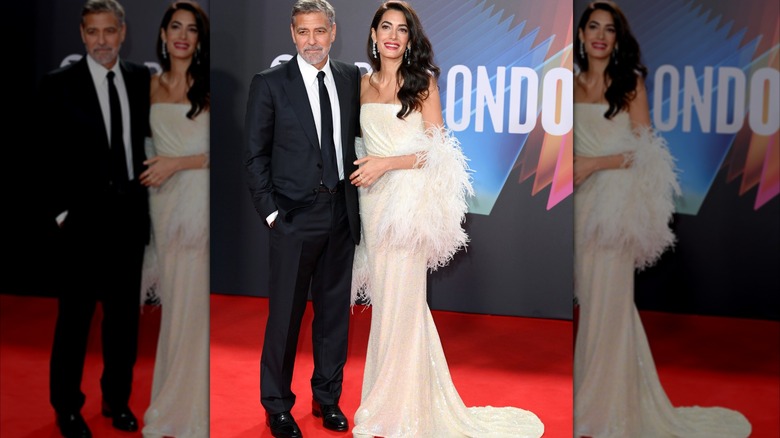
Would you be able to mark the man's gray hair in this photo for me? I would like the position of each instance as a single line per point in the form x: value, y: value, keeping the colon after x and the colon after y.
x: 309, y: 6
x: 99, y: 6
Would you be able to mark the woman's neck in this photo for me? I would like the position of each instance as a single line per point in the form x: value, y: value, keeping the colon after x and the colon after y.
x: 175, y: 83
x: 178, y: 71
x: 596, y: 75
x: 596, y: 68
x: 591, y: 85
x: 389, y: 71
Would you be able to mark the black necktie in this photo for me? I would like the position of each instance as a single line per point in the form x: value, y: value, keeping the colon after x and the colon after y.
x: 118, y: 160
x: 330, y: 171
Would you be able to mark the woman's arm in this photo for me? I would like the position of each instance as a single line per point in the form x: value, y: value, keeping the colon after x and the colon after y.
x: 161, y: 168
x: 431, y: 107
x: 372, y: 168
x: 639, y: 114
x: 638, y: 108
x: 584, y: 167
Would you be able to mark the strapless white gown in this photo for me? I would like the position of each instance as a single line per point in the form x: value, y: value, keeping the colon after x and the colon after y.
x: 411, y: 221
x: 180, y: 222
x: 621, y: 223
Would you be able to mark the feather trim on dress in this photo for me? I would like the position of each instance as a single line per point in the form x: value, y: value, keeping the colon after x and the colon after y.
x: 424, y: 208
x: 150, y: 270
x: 150, y: 276
x: 180, y: 222
x: 631, y: 208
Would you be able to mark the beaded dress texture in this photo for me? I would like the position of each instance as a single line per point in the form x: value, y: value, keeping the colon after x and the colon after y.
x: 621, y: 224
x: 411, y: 223
x: 179, y: 262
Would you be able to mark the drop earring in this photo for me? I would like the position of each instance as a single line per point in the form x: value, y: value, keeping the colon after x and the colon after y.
x: 197, y: 54
x: 582, y: 50
x: 373, y: 49
x: 408, y: 55
x: 164, y: 50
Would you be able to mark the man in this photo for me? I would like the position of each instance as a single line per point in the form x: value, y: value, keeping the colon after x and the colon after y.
x: 95, y: 116
x: 301, y: 127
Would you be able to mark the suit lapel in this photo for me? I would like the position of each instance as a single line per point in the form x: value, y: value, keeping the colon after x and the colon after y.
x: 299, y: 99
x: 345, y: 92
x: 132, y: 92
x: 90, y: 101
x: 135, y: 98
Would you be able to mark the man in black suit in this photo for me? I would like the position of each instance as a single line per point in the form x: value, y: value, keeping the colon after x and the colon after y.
x: 95, y: 116
x: 301, y: 122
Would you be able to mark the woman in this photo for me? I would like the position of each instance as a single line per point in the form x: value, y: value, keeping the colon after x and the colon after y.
x: 623, y: 202
x: 179, y: 180
x: 412, y: 184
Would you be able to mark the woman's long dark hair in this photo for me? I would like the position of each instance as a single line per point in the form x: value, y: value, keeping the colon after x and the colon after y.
x: 624, y: 65
x: 199, y: 93
x: 415, y: 75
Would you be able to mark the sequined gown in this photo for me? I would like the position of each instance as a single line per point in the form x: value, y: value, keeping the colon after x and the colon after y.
x: 180, y: 222
x: 411, y: 222
x: 621, y: 223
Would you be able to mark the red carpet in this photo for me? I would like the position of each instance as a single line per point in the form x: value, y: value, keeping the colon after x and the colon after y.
x: 712, y: 361
x: 494, y: 360
x: 26, y: 334
x: 521, y: 362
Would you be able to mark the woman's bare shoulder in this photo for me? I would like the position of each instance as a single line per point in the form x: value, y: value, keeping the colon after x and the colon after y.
x: 154, y: 85
x: 365, y: 80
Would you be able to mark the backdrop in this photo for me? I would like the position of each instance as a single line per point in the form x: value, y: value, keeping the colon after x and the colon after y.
x: 520, y: 257
x: 506, y: 92
x: 714, y: 91
x: 43, y: 35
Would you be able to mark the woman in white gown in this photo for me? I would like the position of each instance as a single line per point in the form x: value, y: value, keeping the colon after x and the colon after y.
x: 178, y: 178
x: 412, y: 181
x: 623, y: 203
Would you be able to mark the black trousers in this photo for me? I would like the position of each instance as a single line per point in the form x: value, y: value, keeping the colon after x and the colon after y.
x: 313, y: 250
x: 102, y: 263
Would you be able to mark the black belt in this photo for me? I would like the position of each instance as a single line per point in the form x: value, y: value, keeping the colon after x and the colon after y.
x: 339, y: 188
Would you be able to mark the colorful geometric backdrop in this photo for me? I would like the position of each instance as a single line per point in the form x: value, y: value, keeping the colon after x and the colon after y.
x: 714, y: 88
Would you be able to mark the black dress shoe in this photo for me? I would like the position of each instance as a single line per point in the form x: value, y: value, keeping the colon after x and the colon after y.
x: 332, y: 417
x: 73, y: 426
x: 121, y: 418
x: 283, y: 425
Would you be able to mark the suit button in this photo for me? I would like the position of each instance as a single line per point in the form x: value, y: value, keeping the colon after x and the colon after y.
x: 319, y: 165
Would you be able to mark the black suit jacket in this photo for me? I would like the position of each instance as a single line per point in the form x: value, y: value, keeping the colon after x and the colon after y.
x: 77, y: 146
x: 283, y: 159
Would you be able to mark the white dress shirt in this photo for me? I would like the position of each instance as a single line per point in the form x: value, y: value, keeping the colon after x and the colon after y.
x: 309, y: 74
x: 100, y: 80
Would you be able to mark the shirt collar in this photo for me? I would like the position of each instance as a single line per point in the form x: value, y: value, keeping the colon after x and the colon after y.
x: 309, y: 72
x: 99, y: 72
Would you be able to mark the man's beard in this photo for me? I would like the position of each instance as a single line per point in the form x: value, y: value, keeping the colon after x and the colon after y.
x: 314, y: 57
x: 104, y: 56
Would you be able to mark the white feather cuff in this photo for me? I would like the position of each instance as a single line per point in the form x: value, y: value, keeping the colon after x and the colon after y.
x: 631, y: 208
x: 422, y: 209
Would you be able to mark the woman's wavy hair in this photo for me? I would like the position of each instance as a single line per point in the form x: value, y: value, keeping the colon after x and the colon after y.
x: 414, y: 75
x: 199, y: 93
x: 625, y: 64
